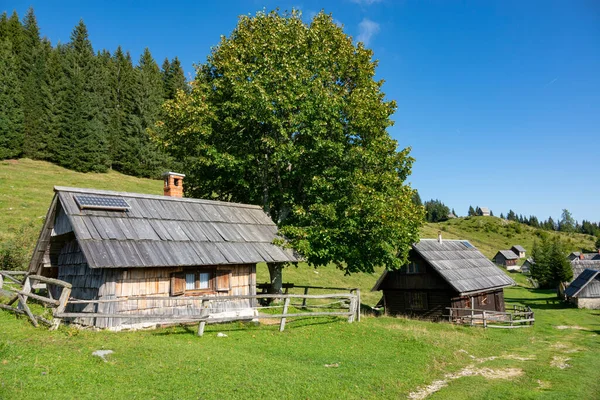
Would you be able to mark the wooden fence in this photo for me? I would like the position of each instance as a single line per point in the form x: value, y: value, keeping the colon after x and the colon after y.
x: 520, y: 317
x: 23, y: 291
x: 349, y: 304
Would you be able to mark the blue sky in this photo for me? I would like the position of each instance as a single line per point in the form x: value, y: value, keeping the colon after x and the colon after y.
x: 499, y: 100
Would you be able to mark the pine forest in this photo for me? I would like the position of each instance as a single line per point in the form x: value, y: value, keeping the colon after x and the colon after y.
x: 82, y: 109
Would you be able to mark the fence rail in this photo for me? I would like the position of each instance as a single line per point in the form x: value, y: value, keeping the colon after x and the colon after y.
x: 521, y: 317
x: 24, y: 292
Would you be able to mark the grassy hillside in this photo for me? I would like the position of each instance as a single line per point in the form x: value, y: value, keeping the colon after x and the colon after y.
x: 491, y: 234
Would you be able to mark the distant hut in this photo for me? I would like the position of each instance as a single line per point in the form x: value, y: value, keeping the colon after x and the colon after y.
x: 526, y: 267
x: 518, y: 250
x: 584, y: 291
x: 508, y: 259
x: 439, y: 274
x: 113, y: 245
x: 485, y: 212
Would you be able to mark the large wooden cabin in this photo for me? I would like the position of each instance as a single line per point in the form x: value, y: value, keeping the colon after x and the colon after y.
x: 112, y: 245
x: 440, y: 274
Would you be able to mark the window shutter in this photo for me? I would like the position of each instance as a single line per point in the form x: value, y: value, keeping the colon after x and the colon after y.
x: 223, y: 281
x: 177, y: 283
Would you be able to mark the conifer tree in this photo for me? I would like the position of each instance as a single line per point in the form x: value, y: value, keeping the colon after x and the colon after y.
x: 471, y: 212
x: 175, y: 79
x: 122, y: 124
x: 148, y: 98
x: 11, y: 99
x: 82, y: 142
x: 3, y: 26
x: 33, y: 70
x: 559, y: 264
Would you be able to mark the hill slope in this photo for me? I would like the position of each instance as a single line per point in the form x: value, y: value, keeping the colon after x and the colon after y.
x: 26, y: 189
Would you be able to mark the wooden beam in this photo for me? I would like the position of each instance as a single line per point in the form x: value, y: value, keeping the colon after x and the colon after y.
x: 51, y: 281
x: 286, y: 304
x: 25, y: 307
x: 40, y: 298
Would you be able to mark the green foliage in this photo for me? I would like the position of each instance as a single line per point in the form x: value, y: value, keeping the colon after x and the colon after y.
x: 436, y: 211
x: 81, y: 110
x: 15, y: 253
x: 11, y: 99
x: 82, y: 142
x: 551, y: 263
x: 288, y: 116
x: 567, y: 222
x: 471, y: 212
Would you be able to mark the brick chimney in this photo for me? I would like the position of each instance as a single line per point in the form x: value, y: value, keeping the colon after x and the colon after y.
x: 173, y: 184
x: 440, y: 236
x: 581, y: 256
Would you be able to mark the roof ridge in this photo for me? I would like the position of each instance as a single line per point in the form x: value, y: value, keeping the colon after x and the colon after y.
x: 153, y: 197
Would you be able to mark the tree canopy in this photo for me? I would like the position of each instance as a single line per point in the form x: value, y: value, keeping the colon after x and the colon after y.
x: 287, y: 115
x: 436, y: 211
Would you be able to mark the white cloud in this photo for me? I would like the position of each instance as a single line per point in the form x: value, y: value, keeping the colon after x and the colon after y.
x: 367, y: 29
x: 366, y: 2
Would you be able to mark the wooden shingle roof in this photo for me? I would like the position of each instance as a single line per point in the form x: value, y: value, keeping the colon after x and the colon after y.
x: 578, y: 266
x: 518, y: 247
x: 162, y: 231
x: 508, y: 254
x: 461, y: 264
x: 588, y: 281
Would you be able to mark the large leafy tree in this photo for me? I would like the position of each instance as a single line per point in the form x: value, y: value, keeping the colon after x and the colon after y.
x: 289, y: 116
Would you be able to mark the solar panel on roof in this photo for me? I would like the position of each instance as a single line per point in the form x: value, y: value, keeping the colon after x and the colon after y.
x: 102, y: 203
x: 469, y: 245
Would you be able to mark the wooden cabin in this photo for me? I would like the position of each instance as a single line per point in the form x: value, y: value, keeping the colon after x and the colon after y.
x: 526, y: 267
x: 508, y: 259
x: 113, y: 245
x: 440, y: 274
x: 584, y: 291
x: 518, y: 250
x: 485, y: 212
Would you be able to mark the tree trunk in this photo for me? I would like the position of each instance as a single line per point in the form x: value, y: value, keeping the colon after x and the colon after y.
x: 275, y: 275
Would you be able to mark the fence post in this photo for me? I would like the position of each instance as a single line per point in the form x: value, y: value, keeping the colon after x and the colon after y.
x: 203, y: 314
x: 285, y: 310
x: 484, y: 320
x: 23, y: 298
x: 352, y: 308
x: 450, y: 316
x: 62, y: 305
x: 358, y: 304
x: 472, y: 310
x: 1, y: 280
x: 304, y: 299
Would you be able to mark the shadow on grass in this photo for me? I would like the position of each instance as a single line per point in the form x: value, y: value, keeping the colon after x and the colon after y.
x: 296, y: 323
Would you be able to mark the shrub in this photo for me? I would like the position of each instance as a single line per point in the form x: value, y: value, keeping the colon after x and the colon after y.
x: 15, y: 253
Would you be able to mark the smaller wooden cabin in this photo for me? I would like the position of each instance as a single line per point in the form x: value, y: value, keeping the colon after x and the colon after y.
x: 518, y: 250
x: 441, y: 274
x: 508, y: 259
x: 526, y: 267
x: 485, y: 212
x: 134, y: 247
x: 584, y: 291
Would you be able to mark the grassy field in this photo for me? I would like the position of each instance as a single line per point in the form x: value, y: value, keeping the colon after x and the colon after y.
x: 378, y: 358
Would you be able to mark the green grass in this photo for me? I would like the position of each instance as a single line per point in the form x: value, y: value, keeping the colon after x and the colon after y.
x: 378, y: 358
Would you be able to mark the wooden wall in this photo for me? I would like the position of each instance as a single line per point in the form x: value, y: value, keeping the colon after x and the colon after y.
x: 437, y: 301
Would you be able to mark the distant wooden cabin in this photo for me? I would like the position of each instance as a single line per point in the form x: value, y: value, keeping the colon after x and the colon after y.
x: 440, y: 274
x: 584, y: 291
x: 113, y: 245
x: 526, y: 267
x: 485, y: 212
x: 518, y: 250
x: 508, y: 259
